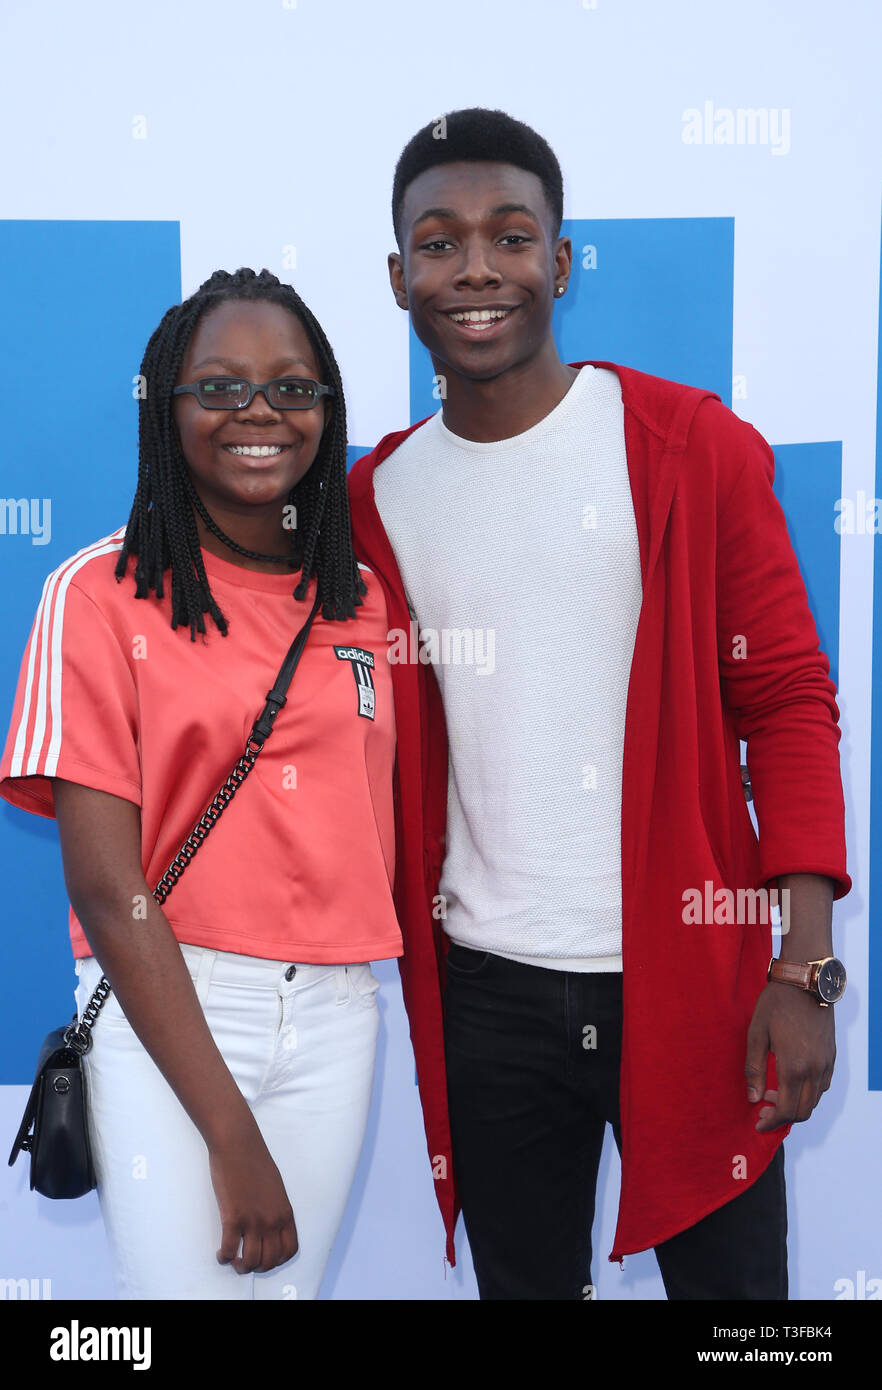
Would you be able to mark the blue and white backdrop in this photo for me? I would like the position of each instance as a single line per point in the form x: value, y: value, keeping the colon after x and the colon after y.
x: 722, y: 172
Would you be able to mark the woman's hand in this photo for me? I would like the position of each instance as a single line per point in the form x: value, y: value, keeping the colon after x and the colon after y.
x: 253, y: 1204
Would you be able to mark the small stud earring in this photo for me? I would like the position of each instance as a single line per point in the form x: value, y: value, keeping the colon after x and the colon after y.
x: 560, y: 289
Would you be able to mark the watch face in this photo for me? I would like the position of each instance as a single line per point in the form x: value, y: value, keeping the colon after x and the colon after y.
x: 831, y: 980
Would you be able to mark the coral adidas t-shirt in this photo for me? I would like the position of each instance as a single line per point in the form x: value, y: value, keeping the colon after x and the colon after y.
x: 300, y: 865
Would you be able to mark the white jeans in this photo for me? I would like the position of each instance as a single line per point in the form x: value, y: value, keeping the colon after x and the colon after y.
x: 302, y: 1052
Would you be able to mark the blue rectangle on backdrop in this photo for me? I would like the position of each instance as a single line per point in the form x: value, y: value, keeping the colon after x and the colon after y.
x: 808, y: 483
x: 79, y: 302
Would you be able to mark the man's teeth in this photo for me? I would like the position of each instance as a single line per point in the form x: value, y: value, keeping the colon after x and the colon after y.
x: 254, y: 451
x: 479, y: 318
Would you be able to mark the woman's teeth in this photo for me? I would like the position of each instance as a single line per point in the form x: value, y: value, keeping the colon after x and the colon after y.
x: 254, y: 451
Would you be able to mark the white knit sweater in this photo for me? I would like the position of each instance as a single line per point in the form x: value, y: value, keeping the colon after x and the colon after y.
x: 520, y: 560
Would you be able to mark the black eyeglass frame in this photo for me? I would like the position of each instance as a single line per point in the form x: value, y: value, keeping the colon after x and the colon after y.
x: 253, y: 387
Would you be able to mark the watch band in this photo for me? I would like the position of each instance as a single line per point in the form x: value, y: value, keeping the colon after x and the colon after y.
x: 824, y: 978
x: 789, y: 972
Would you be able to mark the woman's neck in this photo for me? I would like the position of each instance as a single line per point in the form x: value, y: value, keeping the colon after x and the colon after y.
x: 263, y: 533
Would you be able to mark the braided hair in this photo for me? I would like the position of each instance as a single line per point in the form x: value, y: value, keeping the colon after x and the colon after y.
x: 161, y: 530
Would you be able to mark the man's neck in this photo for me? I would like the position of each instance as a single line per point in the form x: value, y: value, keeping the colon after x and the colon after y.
x: 506, y: 405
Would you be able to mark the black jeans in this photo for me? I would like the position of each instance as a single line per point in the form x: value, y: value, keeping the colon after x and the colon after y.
x: 531, y: 1090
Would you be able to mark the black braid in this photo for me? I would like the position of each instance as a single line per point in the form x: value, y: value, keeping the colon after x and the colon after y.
x: 161, y: 530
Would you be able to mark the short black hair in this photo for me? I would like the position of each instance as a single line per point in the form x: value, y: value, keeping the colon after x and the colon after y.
x: 161, y: 530
x: 477, y: 133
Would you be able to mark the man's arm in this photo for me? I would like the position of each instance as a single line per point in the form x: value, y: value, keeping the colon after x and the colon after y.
x: 774, y: 677
x: 775, y: 683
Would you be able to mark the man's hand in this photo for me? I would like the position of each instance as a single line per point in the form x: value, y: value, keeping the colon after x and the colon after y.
x: 792, y: 1024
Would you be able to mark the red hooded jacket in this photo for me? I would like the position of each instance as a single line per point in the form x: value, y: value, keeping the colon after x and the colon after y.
x: 725, y: 649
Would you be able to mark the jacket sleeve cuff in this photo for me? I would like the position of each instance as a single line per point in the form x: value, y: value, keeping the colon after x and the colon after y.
x: 841, y: 881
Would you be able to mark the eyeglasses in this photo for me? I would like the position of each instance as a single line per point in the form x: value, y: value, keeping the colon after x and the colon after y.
x: 235, y: 393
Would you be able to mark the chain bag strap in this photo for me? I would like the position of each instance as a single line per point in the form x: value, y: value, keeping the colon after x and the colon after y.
x: 78, y: 1036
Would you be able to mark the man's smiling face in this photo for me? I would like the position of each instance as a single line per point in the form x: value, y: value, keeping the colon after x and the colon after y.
x: 479, y: 265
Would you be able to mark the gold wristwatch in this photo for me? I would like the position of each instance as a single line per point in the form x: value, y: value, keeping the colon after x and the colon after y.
x: 824, y: 978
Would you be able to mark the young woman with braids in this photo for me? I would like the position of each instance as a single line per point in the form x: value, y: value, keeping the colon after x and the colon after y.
x: 230, y: 1073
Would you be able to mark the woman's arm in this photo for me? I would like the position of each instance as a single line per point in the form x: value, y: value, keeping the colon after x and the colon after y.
x: 101, y: 848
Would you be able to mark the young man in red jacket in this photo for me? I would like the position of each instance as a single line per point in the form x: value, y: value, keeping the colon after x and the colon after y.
x: 592, y: 598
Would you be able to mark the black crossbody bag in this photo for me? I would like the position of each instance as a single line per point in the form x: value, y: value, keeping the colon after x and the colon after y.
x: 54, y: 1129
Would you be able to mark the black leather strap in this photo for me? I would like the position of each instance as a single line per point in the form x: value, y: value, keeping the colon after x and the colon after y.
x: 275, y: 698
